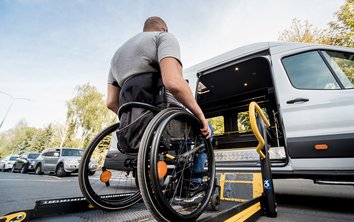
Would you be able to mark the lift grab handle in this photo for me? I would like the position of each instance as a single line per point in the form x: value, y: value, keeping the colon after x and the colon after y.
x: 253, y: 107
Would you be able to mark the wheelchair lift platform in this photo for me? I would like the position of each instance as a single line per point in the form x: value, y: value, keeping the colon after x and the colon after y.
x: 243, y: 196
x: 240, y: 195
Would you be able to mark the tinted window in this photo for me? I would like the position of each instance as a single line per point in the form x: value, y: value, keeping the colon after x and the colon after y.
x: 13, y: 158
x: 71, y: 152
x: 309, y: 71
x: 33, y: 156
x: 343, y: 65
x: 50, y: 153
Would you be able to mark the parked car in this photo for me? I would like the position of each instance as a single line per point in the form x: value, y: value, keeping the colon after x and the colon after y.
x: 8, y: 162
x: 61, y: 161
x: 115, y: 159
x: 25, y: 162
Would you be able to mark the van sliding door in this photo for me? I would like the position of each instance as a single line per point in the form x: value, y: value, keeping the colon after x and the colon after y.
x: 315, y: 91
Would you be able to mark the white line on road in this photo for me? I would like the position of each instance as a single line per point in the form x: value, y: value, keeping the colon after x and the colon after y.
x: 58, y: 178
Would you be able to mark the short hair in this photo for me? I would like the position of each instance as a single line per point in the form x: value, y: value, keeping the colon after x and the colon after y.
x: 154, y: 23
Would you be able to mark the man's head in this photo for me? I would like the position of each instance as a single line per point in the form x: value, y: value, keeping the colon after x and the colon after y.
x: 155, y: 24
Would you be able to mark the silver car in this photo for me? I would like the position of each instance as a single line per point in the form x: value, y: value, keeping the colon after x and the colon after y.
x: 59, y: 161
x: 8, y: 162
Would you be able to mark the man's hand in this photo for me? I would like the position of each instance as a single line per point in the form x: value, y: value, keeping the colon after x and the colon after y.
x: 205, y: 130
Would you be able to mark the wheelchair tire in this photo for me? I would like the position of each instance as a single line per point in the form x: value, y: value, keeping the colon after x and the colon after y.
x: 167, y: 194
x: 119, y: 190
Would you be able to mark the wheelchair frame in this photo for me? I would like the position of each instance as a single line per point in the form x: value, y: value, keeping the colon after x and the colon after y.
x: 156, y: 196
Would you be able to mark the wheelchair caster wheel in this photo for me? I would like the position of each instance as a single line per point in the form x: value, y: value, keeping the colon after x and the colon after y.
x: 215, y: 202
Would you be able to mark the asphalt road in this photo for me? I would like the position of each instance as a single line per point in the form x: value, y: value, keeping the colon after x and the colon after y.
x: 303, y: 201
x: 298, y: 200
x: 20, y: 191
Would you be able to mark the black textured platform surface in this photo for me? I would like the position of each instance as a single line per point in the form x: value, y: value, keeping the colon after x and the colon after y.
x: 135, y: 213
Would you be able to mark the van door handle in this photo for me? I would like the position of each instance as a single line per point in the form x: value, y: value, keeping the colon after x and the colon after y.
x: 297, y: 100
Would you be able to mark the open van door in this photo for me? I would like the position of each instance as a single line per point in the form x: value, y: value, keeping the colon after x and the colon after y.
x: 315, y: 90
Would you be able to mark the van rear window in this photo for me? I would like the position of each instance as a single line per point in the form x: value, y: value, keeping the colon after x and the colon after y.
x: 218, y: 124
x: 309, y: 71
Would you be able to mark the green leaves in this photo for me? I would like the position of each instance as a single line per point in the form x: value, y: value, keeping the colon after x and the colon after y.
x: 86, y: 116
x: 339, y: 32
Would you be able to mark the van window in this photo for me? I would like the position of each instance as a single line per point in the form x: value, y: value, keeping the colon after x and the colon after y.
x: 243, y: 122
x: 343, y: 66
x: 309, y: 71
x: 218, y: 124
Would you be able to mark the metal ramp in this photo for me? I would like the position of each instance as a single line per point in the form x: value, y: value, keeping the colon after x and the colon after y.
x: 237, y: 204
x: 244, y: 196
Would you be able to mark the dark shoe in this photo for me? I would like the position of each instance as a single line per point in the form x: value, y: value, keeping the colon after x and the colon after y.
x: 189, y: 201
x: 191, y: 195
x: 192, y: 190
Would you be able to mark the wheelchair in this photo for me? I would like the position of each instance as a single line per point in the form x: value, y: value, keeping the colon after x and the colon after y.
x: 160, y: 173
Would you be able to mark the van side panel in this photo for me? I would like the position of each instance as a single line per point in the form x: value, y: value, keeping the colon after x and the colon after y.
x: 339, y: 145
x: 322, y: 117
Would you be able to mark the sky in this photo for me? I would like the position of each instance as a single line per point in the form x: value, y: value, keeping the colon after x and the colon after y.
x: 48, y: 48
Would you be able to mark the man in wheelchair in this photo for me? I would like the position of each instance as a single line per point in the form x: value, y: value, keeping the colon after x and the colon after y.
x: 148, y: 69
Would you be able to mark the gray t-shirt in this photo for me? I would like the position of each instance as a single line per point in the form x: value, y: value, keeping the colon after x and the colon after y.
x: 138, y: 53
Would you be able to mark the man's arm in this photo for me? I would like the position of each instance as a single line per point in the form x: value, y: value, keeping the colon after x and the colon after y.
x: 171, y: 72
x: 112, y: 101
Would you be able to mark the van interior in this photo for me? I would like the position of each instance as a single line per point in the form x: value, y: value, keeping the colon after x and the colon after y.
x: 225, y: 93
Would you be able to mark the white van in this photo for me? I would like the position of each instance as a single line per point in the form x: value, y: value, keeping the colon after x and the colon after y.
x: 306, y: 90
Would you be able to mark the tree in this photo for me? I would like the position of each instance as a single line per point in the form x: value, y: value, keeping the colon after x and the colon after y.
x: 17, y: 140
x: 243, y: 122
x: 342, y: 30
x: 302, y: 31
x: 58, y: 135
x: 218, y: 124
x: 339, y: 32
x: 70, y: 139
x: 42, y: 139
x: 86, y: 116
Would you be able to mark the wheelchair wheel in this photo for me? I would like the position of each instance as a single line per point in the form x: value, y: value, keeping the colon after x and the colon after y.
x: 169, y: 153
x: 106, y: 176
